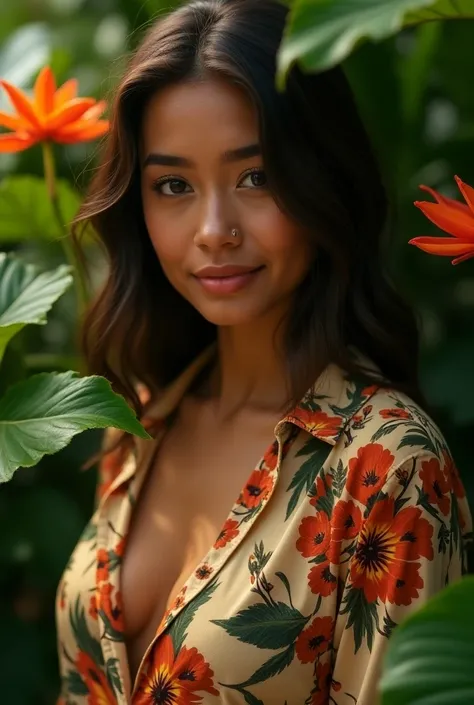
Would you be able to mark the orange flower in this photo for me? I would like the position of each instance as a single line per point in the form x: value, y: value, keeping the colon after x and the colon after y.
x: 229, y: 531
x: 314, y: 640
x: 453, y: 217
x: 98, y: 687
x: 383, y: 564
x: 257, y: 489
x: 368, y: 471
x: 54, y: 115
x: 315, y: 535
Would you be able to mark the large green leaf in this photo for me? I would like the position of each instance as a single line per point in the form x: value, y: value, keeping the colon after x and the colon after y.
x: 41, y: 415
x: 26, y: 296
x: 431, y: 655
x: 321, y: 33
x: 26, y: 212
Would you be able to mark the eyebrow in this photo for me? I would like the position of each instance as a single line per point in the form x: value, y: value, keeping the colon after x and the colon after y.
x: 232, y: 155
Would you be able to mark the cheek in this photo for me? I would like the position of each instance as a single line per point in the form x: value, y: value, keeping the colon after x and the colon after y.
x: 287, y: 245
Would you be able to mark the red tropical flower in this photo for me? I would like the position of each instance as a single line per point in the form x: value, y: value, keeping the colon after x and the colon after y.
x: 315, y: 535
x: 270, y: 458
x: 229, y: 531
x: 257, y: 489
x: 382, y: 565
x: 452, y: 475
x: 174, y: 680
x: 453, y: 217
x: 323, y: 674
x: 93, y: 612
x: 318, y: 422
x: 52, y: 115
x: 368, y: 471
x: 314, y: 640
x: 321, y: 580
x: 346, y: 520
x: 436, y: 485
x: 395, y: 413
x: 95, y: 680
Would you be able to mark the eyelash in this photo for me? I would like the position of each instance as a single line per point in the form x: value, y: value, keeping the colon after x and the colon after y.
x: 167, y: 179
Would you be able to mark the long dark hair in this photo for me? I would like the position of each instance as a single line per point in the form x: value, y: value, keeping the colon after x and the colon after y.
x: 322, y: 173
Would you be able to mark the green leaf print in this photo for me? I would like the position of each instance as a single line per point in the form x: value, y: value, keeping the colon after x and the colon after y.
x: 113, y: 674
x: 275, y: 665
x: 178, y: 628
x: 356, y: 399
x: 418, y: 439
x: 338, y: 478
x: 362, y: 616
x: 273, y: 626
x: 75, y: 684
x: 305, y: 477
x: 85, y: 641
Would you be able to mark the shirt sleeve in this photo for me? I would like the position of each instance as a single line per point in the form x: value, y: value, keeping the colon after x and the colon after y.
x: 408, y: 548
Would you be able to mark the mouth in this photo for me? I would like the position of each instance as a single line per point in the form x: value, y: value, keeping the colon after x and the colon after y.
x: 226, y: 279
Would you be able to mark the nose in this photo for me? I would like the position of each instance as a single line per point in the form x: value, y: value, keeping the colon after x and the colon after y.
x: 215, y: 225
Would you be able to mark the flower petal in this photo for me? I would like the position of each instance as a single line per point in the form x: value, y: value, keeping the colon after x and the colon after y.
x: 468, y: 193
x: 451, y: 220
x: 21, y: 103
x: 96, y: 111
x: 15, y: 142
x: 91, y: 132
x: 45, y: 88
x: 444, y: 246
x: 69, y: 112
x: 463, y: 258
x: 451, y: 202
x: 67, y: 92
x: 13, y: 122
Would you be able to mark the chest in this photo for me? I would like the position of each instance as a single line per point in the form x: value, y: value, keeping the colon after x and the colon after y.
x: 190, y: 488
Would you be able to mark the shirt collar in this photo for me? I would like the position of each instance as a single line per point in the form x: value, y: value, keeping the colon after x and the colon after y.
x: 324, y: 411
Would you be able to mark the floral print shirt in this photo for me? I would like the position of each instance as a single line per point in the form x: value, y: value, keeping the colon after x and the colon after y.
x: 353, y: 518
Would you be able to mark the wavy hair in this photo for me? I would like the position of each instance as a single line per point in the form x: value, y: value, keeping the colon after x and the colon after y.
x: 322, y: 173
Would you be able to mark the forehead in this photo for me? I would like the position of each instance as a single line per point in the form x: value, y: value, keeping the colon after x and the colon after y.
x: 190, y: 116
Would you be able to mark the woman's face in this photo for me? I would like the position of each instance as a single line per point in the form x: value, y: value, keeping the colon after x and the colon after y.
x: 202, y: 177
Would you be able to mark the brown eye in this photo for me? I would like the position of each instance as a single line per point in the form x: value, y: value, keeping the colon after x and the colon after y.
x: 254, y: 179
x: 170, y: 187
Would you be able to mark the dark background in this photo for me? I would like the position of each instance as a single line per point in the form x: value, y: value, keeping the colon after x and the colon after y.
x: 415, y: 93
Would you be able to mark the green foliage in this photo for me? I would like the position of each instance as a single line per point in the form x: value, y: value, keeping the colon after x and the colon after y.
x: 26, y: 296
x: 322, y: 33
x: 42, y: 414
x: 431, y: 655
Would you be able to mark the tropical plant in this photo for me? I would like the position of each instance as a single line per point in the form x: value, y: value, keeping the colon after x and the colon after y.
x: 40, y: 414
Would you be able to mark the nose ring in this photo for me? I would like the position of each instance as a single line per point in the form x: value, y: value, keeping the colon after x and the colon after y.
x: 235, y: 232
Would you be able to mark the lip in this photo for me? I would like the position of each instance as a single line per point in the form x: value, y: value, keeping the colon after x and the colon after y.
x: 227, y: 279
x: 224, y: 270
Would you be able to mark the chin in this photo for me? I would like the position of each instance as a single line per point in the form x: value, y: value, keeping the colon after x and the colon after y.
x: 227, y: 314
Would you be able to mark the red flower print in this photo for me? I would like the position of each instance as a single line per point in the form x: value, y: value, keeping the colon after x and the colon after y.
x: 320, y: 579
x: 323, y: 674
x: 381, y: 565
x: 102, y: 565
x: 270, y: 458
x: 369, y: 391
x: 93, y: 607
x: 178, y: 601
x: 314, y: 640
x: 395, y: 413
x: 100, y: 692
x: 257, y: 489
x: 229, y: 531
x: 320, y: 489
x: 319, y: 423
x: 315, y: 535
x: 120, y: 548
x: 368, y: 471
x: 175, y: 681
x: 203, y: 572
x: 346, y: 520
x: 435, y: 485
x: 452, y: 476
x: 112, y: 612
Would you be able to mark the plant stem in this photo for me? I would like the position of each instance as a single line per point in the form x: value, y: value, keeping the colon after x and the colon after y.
x: 78, y: 273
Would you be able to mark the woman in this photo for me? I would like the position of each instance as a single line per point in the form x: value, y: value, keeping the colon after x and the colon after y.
x: 296, y: 503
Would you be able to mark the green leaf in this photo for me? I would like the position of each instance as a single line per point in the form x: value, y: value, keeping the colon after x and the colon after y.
x: 180, y: 625
x: 275, y: 665
x: 41, y: 415
x: 26, y: 212
x: 267, y: 626
x: 305, y: 476
x: 322, y: 33
x: 430, y: 656
x: 362, y: 616
x: 26, y: 296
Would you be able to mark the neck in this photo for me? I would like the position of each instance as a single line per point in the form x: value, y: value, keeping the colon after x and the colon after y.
x: 250, y: 373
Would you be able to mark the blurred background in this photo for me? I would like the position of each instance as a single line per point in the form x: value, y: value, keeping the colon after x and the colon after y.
x: 415, y: 94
